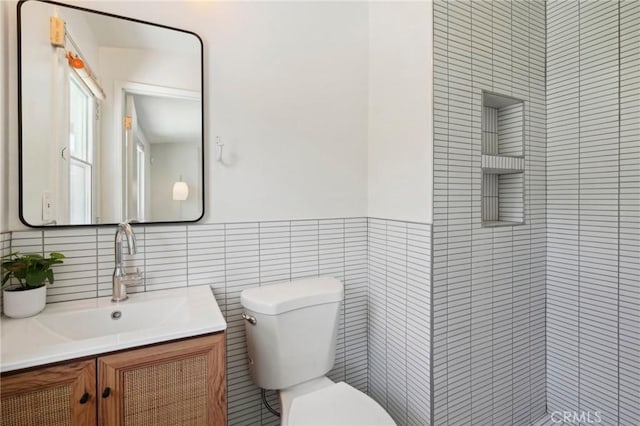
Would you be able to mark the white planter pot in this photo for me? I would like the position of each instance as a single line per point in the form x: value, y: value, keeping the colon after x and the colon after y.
x: 22, y: 304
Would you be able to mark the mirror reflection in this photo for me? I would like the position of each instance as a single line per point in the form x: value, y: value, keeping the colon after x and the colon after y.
x: 111, y: 119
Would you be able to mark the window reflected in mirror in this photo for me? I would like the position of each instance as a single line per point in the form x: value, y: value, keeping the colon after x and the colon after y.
x: 82, y: 141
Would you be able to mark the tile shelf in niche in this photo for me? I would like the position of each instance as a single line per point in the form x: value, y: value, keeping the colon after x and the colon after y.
x: 500, y: 164
x: 497, y: 223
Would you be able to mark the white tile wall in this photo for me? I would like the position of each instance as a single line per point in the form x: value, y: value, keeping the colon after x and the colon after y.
x: 5, y: 249
x: 229, y: 258
x: 5, y: 243
x: 488, y: 283
x: 593, y: 281
x: 400, y: 319
x: 80, y: 266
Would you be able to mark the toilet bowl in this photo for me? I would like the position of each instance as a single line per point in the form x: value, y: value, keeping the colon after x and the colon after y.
x: 291, y: 333
x: 322, y: 402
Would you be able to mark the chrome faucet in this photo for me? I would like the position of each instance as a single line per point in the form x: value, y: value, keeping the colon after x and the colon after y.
x: 120, y: 278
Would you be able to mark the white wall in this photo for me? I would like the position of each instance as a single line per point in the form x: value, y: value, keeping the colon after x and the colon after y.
x: 289, y: 93
x: 400, y: 109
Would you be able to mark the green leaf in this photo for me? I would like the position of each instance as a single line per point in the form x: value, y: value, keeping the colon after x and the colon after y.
x: 56, y: 255
x: 33, y: 256
x: 50, y: 276
x: 36, y: 277
x: 20, y: 274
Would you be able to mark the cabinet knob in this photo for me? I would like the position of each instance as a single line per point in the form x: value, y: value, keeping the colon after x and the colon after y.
x: 106, y: 392
x: 85, y: 398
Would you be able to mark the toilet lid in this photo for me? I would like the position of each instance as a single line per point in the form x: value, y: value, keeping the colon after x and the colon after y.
x: 337, y: 405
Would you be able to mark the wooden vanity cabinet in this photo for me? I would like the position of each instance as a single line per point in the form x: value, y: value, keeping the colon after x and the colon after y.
x: 61, y: 395
x: 177, y: 383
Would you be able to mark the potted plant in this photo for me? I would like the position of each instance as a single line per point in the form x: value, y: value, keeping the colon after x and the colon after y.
x: 29, y: 295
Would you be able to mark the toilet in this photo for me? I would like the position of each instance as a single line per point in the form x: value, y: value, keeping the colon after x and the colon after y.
x: 291, y: 333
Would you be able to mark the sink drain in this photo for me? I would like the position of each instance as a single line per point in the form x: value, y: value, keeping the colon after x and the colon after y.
x: 115, y: 315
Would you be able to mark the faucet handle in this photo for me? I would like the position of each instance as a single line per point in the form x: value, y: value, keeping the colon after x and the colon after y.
x: 132, y: 278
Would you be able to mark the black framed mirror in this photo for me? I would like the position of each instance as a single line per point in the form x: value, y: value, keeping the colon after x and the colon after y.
x: 111, y: 122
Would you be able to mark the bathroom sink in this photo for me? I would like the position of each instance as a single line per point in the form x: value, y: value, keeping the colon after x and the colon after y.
x: 80, y: 324
x: 81, y: 328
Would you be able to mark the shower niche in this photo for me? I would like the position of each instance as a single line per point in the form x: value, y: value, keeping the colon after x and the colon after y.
x: 502, y: 160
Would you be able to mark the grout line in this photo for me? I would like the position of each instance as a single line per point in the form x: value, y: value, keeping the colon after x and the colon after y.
x: 259, y: 256
x: 97, y: 265
x: 386, y: 317
x: 186, y: 238
x: 579, y: 190
x: 144, y: 258
x: 481, y: 192
x: 619, y: 182
x: 344, y: 303
x: 446, y: 296
x: 368, y: 310
x: 406, y: 298
x: 546, y: 204
x: 431, y: 263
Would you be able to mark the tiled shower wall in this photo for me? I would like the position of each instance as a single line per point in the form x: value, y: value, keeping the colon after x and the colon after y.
x: 229, y: 258
x: 488, y: 283
x: 400, y: 319
x: 593, y: 177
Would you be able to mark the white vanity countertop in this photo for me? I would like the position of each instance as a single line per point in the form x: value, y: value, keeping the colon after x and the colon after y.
x: 69, y: 330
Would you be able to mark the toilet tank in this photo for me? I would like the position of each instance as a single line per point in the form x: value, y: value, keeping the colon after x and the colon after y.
x: 293, y: 338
